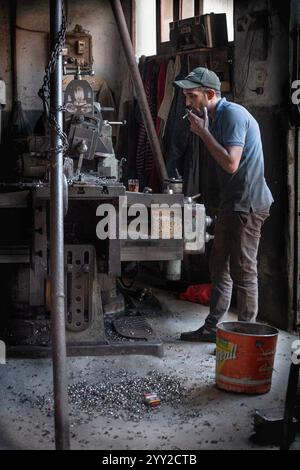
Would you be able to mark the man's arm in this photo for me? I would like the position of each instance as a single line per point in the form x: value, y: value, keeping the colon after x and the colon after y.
x: 227, y: 157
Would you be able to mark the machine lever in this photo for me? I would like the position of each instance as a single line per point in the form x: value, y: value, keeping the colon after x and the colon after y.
x: 116, y: 123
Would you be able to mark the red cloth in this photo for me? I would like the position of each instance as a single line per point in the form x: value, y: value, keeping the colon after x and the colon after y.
x: 199, y: 294
x: 145, y: 168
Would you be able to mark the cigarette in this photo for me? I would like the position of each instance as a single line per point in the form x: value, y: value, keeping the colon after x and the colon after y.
x: 187, y: 113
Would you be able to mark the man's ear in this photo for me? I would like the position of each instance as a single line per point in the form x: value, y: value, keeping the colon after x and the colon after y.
x: 210, y: 94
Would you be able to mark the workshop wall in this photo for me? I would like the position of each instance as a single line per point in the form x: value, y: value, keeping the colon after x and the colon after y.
x: 262, y: 86
x: 95, y: 16
x: 5, y: 67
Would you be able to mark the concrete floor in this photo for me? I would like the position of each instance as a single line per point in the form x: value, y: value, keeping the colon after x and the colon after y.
x: 213, y: 419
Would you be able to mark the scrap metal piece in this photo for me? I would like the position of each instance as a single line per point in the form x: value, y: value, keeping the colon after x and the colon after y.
x: 268, y: 427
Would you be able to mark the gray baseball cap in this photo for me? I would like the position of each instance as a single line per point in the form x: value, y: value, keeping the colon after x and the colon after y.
x: 200, y: 77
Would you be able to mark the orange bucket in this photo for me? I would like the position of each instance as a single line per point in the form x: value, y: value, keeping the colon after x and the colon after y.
x: 245, y: 357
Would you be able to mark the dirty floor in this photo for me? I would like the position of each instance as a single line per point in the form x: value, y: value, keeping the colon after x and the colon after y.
x: 194, y: 415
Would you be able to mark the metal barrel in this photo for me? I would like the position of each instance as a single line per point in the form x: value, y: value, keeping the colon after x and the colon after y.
x: 245, y: 354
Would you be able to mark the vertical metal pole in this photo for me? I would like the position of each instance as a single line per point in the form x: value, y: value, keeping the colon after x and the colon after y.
x: 62, y: 439
x: 198, y: 7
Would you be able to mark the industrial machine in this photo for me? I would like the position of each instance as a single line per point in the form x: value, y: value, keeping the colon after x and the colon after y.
x: 92, y: 265
x: 280, y: 427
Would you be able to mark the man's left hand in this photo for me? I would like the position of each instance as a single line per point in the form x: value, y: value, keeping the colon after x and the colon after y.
x: 199, y: 125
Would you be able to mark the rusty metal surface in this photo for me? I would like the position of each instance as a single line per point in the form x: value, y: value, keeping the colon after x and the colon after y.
x: 80, y: 266
x: 84, y: 312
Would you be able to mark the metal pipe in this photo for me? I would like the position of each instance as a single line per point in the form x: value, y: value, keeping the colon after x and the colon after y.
x: 140, y: 91
x: 58, y: 335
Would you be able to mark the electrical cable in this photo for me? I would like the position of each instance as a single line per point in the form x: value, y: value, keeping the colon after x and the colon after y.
x: 31, y: 30
x: 238, y: 94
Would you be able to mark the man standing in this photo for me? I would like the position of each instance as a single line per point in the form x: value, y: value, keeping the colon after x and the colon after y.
x: 232, y: 138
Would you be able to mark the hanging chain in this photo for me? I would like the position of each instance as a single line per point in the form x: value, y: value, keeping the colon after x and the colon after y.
x: 45, y: 91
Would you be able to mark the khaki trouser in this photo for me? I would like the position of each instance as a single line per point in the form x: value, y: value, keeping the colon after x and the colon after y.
x: 233, y: 262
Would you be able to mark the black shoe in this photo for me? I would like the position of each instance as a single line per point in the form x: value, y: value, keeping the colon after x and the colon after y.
x: 204, y: 334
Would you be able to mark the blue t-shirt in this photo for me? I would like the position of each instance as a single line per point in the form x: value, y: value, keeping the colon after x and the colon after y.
x: 245, y: 190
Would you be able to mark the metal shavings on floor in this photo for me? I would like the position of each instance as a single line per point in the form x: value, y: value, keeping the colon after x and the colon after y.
x: 119, y: 396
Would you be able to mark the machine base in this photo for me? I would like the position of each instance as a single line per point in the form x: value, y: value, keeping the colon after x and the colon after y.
x: 149, y: 348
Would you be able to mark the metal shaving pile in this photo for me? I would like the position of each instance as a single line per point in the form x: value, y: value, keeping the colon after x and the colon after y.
x: 119, y: 395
